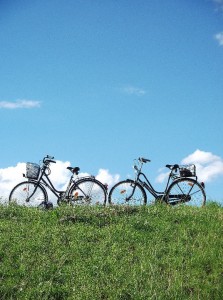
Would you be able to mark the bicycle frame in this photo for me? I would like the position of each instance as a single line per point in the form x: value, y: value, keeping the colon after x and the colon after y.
x: 180, y: 187
x: 48, y: 183
x: 148, y: 186
x: 41, y: 181
x: 78, y: 190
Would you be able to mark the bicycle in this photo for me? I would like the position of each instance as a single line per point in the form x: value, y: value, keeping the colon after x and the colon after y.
x: 84, y: 190
x: 181, y: 187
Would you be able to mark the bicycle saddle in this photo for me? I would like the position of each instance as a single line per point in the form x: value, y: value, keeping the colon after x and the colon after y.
x: 74, y: 170
x: 172, y: 167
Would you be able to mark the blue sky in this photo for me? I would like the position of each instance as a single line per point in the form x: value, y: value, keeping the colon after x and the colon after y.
x: 99, y: 83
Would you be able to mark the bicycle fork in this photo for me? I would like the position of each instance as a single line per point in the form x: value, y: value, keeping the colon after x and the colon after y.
x: 133, y: 185
x: 27, y: 191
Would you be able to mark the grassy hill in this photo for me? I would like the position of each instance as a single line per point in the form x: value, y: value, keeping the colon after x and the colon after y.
x: 156, y: 252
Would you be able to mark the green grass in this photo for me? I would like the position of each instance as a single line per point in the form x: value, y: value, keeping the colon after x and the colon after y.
x: 155, y: 252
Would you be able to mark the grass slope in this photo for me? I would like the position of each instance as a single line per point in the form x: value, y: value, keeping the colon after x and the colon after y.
x: 155, y: 252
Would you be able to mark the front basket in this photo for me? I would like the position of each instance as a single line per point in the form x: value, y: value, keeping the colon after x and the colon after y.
x: 32, y: 170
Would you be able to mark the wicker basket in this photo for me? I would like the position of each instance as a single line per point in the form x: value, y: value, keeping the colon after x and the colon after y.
x: 187, y: 171
x: 32, y: 170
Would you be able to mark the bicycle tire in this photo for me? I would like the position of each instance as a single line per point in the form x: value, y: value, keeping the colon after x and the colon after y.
x: 186, y: 191
x: 21, y: 192
x: 87, y: 191
x: 121, y: 191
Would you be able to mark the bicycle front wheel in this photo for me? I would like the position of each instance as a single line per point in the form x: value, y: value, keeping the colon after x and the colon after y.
x: 28, y: 194
x: 127, y: 192
x: 88, y: 191
x: 187, y: 191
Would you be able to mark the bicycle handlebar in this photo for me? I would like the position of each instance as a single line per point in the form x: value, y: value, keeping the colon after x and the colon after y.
x: 48, y: 159
x: 142, y: 161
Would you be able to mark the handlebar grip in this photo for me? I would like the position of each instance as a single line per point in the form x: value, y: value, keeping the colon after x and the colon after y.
x: 52, y: 161
x: 49, y: 159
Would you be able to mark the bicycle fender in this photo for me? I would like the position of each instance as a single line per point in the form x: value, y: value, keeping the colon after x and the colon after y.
x: 130, y: 180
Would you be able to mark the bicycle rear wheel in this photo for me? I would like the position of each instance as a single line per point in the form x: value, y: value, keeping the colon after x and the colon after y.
x: 28, y: 193
x: 187, y: 191
x: 88, y: 191
x: 127, y: 192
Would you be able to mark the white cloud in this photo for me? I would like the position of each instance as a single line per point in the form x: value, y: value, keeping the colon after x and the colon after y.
x: 200, y: 157
x: 162, y: 177
x: 9, y: 177
x: 60, y: 176
x: 219, y: 38
x: 19, y: 104
x: 132, y: 90
x: 208, y: 166
x: 105, y: 177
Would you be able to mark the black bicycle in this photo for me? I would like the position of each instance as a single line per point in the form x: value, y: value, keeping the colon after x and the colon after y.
x: 182, y: 187
x: 84, y: 190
